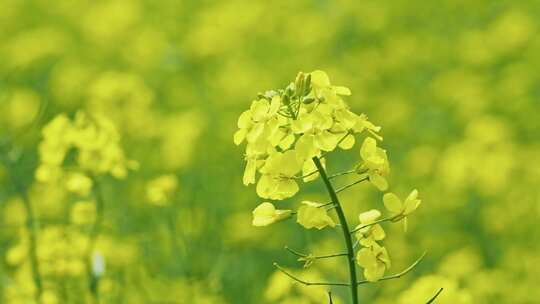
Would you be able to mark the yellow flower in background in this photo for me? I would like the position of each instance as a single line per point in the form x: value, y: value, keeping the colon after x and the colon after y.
x: 314, y: 215
x: 78, y: 183
x: 160, y: 190
x: 374, y: 260
x: 49, y: 297
x: 278, y: 286
x: 18, y: 253
x: 83, y: 213
x: 97, y: 145
x: 266, y: 214
x: 20, y: 108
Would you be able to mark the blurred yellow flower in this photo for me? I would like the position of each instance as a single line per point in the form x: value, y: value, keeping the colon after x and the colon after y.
x: 83, y: 213
x: 160, y: 190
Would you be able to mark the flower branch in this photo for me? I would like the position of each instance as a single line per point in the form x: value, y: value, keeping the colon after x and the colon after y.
x: 306, y: 282
x: 397, y: 275
x: 315, y: 257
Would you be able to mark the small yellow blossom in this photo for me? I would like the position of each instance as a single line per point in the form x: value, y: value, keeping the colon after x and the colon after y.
x: 83, y: 213
x: 160, y: 190
x: 374, y: 260
x: 266, y: 214
x: 369, y: 233
x: 376, y: 161
x: 314, y: 215
x: 399, y: 208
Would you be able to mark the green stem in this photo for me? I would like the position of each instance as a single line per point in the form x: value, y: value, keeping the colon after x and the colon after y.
x: 344, y: 227
x: 342, y: 173
x: 307, y: 283
x: 397, y: 275
x: 373, y: 223
x: 435, y: 296
x: 315, y: 257
x: 351, y: 184
x: 31, y: 226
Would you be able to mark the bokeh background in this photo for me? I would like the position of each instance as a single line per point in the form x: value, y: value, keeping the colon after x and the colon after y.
x: 453, y: 83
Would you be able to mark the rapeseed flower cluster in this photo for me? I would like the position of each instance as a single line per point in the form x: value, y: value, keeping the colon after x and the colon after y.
x: 287, y: 133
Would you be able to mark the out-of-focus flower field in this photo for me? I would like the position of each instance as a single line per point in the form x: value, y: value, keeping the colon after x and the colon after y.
x: 454, y: 83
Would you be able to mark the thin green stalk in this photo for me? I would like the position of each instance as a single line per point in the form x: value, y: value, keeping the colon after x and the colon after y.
x: 306, y: 282
x: 360, y: 227
x: 435, y: 296
x: 342, y: 173
x: 397, y: 275
x: 315, y: 257
x: 345, y: 228
x: 31, y: 226
x: 351, y: 184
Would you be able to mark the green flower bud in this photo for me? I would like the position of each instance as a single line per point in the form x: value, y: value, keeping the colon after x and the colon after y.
x: 289, y: 90
x: 299, y: 82
x: 308, y: 100
x: 307, y: 85
x: 286, y: 100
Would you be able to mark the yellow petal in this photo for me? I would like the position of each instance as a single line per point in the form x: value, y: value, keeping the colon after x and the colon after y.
x: 311, y: 216
x: 392, y: 203
x: 378, y: 181
x: 378, y: 232
x: 320, y: 79
x: 342, y: 90
x: 348, y: 142
x: 239, y: 136
x: 266, y: 214
x: 369, y: 148
x: 369, y: 216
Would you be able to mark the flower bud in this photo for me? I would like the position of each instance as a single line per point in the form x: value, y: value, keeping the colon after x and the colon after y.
x: 307, y: 85
x: 308, y: 100
x: 299, y: 82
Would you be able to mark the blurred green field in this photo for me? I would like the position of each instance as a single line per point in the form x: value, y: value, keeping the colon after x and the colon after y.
x: 455, y: 85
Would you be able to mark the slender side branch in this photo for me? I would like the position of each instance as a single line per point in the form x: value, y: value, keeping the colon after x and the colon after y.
x: 318, y: 257
x: 326, y: 204
x: 315, y: 257
x: 386, y: 219
x: 306, y: 282
x: 341, y: 173
x: 297, y: 253
x: 345, y: 228
x: 435, y: 296
x: 351, y: 184
x: 30, y: 225
x: 400, y: 274
x: 306, y: 175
